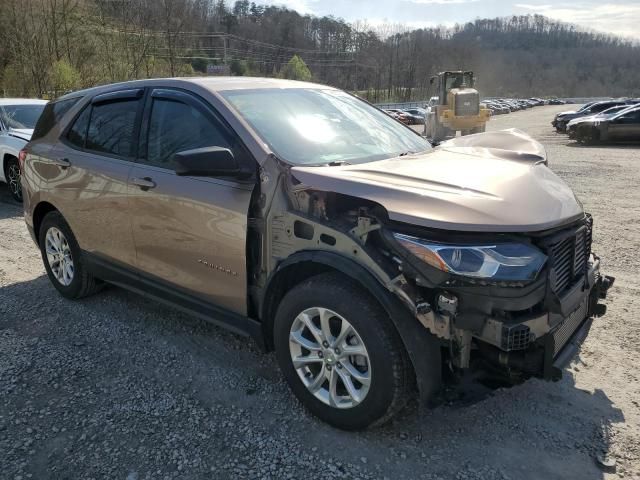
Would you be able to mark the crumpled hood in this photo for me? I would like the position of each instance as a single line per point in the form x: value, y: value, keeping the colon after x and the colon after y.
x: 23, y: 133
x: 471, y: 183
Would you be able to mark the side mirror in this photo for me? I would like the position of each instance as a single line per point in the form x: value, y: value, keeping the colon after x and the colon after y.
x: 209, y: 162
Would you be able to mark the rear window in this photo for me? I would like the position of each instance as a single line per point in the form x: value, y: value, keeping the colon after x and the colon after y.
x: 111, y: 128
x: 51, y: 115
x: 78, y: 132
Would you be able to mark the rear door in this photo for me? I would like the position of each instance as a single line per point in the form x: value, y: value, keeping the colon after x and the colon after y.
x: 92, y: 163
x: 190, y: 232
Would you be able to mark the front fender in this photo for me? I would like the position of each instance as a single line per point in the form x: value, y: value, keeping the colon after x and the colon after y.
x: 9, y: 146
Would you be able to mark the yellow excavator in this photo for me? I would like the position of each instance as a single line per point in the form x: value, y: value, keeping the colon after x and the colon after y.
x: 456, y: 108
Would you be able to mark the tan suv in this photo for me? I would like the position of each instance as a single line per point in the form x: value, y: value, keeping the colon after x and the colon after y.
x: 309, y: 220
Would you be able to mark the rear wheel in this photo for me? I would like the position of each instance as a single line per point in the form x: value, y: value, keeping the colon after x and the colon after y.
x: 479, y: 129
x: 12, y: 174
x: 63, y: 259
x: 340, y: 353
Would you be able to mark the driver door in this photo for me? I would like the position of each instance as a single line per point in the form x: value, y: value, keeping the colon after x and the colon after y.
x: 189, y: 232
x: 625, y: 127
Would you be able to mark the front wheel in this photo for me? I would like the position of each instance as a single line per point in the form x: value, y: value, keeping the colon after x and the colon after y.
x: 340, y: 353
x: 12, y: 174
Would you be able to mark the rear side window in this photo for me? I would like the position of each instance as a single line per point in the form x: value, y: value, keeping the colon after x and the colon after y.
x: 602, y: 107
x: 112, y: 126
x: 630, y: 117
x: 175, y: 127
x: 78, y: 132
x: 51, y: 115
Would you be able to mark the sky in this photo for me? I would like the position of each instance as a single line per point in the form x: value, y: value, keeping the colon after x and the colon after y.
x: 620, y: 17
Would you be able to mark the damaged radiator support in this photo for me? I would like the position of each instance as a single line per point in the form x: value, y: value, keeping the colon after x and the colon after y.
x: 442, y: 325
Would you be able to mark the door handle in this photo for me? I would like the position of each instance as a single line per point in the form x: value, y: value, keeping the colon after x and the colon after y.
x: 144, y: 183
x: 62, y: 163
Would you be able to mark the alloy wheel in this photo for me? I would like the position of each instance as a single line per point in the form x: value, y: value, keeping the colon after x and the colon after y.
x: 13, y: 179
x: 330, y: 357
x: 59, y: 256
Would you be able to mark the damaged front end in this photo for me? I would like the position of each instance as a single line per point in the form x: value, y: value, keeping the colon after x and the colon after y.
x: 500, y: 280
x: 515, y: 327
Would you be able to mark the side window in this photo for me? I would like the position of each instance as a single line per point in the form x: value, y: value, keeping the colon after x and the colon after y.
x: 112, y: 126
x: 631, y: 117
x: 77, y: 134
x: 52, y: 113
x: 174, y: 127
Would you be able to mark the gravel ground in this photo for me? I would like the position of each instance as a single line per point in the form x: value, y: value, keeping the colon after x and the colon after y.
x: 115, y: 386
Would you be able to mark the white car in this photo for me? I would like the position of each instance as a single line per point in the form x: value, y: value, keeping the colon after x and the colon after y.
x: 18, y: 117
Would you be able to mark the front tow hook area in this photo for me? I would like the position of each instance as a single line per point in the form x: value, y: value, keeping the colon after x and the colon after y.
x: 605, y: 285
x: 602, y: 287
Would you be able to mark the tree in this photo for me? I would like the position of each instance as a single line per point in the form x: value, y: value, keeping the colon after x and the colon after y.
x: 64, y: 77
x: 296, y: 69
x: 238, y: 68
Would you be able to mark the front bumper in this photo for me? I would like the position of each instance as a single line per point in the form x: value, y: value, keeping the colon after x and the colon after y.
x: 542, y: 346
x: 560, y: 125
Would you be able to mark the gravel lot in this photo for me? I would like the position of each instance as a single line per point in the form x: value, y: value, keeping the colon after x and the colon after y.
x: 115, y: 386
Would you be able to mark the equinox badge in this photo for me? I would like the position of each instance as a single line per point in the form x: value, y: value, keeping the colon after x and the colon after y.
x: 213, y: 266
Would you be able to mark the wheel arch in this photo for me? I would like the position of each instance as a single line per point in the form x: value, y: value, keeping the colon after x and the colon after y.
x: 39, y: 212
x: 421, y: 345
x: 6, y: 156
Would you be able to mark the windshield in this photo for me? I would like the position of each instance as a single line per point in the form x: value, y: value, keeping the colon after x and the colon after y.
x: 314, y: 127
x: 586, y: 106
x: 21, y: 116
x: 459, y: 80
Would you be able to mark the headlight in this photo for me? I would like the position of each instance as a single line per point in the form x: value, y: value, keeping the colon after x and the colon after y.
x: 497, y: 261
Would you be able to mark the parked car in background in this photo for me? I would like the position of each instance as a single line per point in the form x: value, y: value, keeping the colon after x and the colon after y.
x: 561, y: 119
x: 497, y: 108
x: 398, y: 115
x: 18, y: 117
x: 556, y: 101
x: 573, y: 124
x: 304, y: 218
x: 623, y: 126
x: 418, y: 114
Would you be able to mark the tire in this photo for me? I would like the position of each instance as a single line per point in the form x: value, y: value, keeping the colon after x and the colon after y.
x: 12, y: 175
x: 387, y: 368
x: 72, y: 283
x: 480, y: 129
x: 594, y: 136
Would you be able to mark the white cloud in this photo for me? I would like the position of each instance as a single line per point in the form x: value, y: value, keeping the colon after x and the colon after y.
x: 301, y: 6
x: 613, y: 18
x: 442, y: 2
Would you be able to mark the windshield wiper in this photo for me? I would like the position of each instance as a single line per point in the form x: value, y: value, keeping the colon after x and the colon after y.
x: 338, y: 163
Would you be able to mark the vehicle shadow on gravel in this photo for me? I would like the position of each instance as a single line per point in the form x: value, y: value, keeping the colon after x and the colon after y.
x: 615, y: 146
x: 117, y: 369
x: 14, y: 210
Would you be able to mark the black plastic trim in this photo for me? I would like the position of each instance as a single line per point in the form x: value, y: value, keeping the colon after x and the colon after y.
x: 161, y: 291
x: 129, y: 94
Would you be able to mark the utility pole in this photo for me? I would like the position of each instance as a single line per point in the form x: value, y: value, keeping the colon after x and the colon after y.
x: 224, y: 49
